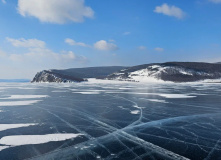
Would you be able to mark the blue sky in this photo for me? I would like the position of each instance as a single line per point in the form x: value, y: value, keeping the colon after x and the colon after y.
x: 47, y: 34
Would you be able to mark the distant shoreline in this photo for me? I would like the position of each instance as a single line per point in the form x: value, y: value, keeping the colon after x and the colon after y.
x: 15, y: 80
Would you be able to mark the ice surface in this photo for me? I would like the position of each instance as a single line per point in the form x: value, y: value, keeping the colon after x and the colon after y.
x: 125, y: 120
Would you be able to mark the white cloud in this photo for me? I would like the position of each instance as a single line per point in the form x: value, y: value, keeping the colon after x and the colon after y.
x: 37, y: 50
x: 3, y: 1
x: 126, y: 33
x: 158, y: 49
x: 170, y: 11
x: 43, y: 53
x: 142, y: 48
x: 74, y: 43
x: 43, y: 57
x: 35, y: 57
x: 215, y: 1
x: 105, y: 46
x: 29, y: 43
x: 55, y: 11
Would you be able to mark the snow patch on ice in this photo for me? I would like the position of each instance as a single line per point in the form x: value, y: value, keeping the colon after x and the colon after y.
x: 159, y: 94
x: 157, y: 100
x: 19, y: 103
x: 85, y: 147
x: 123, y: 108
x: 58, y: 91
x: 4, y: 147
x: 135, y: 112
x: 176, y: 96
x: 88, y: 92
x: 25, y: 96
x: 12, y: 126
x: 19, y: 140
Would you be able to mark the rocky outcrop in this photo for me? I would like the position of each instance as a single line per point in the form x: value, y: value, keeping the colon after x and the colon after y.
x: 50, y: 76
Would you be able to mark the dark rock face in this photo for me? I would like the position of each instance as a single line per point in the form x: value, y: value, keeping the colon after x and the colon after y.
x: 75, y: 74
x: 50, y: 76
x: 171, y: 71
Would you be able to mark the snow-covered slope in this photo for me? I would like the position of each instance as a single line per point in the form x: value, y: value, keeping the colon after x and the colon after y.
x: 172, y: 71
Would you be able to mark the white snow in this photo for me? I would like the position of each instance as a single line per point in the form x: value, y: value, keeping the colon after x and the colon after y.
x: 147, y: 76
x: 176, y: 96
x: 59, y: 91
x: 98, y: 157
x: 147, y: 79
x: 211, y: 81
x: 157, y: 100
x: 4, y: 147
x: 19, y: 103
x: 159, y: 94
x: 88, y: 92
x: 19, y: 140
x: 25, y: 96
x: 186, y: 73
x: 102, y: 81
x: 12, y: 126
x: 125, y: 88
x: 85, y: 147
x: 135, y: 112
x: 155, y: 66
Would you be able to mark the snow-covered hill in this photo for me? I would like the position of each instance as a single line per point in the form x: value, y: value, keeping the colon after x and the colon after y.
x: 171, y: 71
x: 75, y: 74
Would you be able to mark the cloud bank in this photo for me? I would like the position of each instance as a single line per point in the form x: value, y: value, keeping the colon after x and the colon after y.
x: 38, y: 51
x: 30, y: 43
x: 35, y: 54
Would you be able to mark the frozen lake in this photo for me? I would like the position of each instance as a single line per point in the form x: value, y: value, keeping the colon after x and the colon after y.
x: 131, y: 121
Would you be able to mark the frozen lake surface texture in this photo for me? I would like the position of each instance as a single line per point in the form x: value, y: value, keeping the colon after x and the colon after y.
x: 128, y: 121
